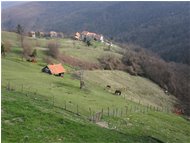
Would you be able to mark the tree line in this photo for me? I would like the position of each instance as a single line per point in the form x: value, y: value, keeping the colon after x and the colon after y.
x: 170, y: 76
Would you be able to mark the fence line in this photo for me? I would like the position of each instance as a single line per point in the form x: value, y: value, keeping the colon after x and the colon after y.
x: 92, y: 114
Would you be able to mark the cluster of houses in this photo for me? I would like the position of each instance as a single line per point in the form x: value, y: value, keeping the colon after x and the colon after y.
x: 86, y: 36
x: 51, y: 34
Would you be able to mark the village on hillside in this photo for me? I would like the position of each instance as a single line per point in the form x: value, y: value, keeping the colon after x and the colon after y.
x: 85, y: 36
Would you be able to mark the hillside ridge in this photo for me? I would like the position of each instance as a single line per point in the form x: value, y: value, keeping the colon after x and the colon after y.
x: 162, y: 27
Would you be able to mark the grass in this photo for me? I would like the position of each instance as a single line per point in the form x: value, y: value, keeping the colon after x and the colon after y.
x: 80, y: 50
x: 27, y: 120
x: 62, y: 89
x: 77, y: 49
x: 133, y: 87
x: 28, y: 114
x: 32, y: 119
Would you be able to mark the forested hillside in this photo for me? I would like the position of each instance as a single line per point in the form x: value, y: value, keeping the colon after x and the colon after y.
x: 162, y: 27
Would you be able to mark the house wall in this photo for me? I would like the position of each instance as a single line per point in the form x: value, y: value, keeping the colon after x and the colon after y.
x: 46, y: 70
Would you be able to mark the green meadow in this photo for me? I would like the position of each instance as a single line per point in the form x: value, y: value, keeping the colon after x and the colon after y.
x: 38, y: 107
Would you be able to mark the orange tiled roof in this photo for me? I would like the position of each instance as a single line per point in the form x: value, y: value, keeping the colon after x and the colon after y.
x: 56, y: 68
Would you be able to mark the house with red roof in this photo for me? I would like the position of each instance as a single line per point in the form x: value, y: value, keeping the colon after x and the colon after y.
x: 54, y: 69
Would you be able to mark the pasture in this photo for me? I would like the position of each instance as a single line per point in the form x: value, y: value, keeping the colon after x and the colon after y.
x: 33, y: 109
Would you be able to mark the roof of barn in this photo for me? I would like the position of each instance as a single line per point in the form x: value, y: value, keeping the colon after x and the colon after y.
x: 56, y: 68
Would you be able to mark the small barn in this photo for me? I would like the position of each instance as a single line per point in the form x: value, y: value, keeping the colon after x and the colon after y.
x: 55, y: 69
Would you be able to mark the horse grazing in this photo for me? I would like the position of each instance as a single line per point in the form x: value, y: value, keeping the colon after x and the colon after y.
x: 108, y: 86
x: 118, y: 92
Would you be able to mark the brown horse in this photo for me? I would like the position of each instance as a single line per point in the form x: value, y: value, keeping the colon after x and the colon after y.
x: 108, y: 86
x: 118, y: 92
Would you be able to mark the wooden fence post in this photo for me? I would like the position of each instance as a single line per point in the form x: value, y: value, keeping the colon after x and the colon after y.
x: 102, y: 112
x: 93, y: 118
x: 126, y: 110
x: 90, y: 111
x: 65, y: 105
x: 157, y: 109
x: 8, y: 86
x: 135, y: 108
x: 113, y: 112
x: 22, y: 88
x: 53, y: 100
x: 77, y: 110
x: 116, y: 112
x: 154, y: 108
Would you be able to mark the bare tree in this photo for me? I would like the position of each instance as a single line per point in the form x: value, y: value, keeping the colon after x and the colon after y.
x: 81, y: 79
x: 27, y: 49
x: 53, y: 49
x: 2, y: 50
x: 20, y: 32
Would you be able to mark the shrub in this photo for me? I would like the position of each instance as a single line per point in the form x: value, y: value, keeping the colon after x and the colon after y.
x: 27, y: 49
x: 53, y: 49
x: 48, y: 60
x: 5, y: 47
x: 110, y: 62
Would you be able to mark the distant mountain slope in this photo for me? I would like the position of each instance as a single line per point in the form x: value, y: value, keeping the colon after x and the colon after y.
x: 8, y: 4
x: 162, y: 27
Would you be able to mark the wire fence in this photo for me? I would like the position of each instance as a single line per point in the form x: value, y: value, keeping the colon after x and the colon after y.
x: 94, y: 115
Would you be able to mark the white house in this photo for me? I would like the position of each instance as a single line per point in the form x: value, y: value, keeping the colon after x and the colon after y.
x: 32, y: 34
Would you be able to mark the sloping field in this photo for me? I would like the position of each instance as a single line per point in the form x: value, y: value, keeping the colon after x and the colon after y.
x: 32, y: 119
x: 38, y: 107
x: 133, y: 88
x: 73, y: 48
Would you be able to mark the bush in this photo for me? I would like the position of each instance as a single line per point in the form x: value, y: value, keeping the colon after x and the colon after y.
x: 53, y: 49
x: 110, y: 62
x: 5, y: 47
x: 27, y: 49
x: 48, y: 60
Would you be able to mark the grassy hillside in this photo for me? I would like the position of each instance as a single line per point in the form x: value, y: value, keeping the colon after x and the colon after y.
x: 32, y: 119
x: 76, y: 49
x: 37, y: 107
x: 25, y: 119
x: 162, y: 27
x: 133, y: 87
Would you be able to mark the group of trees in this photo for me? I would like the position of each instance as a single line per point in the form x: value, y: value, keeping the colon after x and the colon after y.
x: 171, y: 76
x: 27, y: 51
